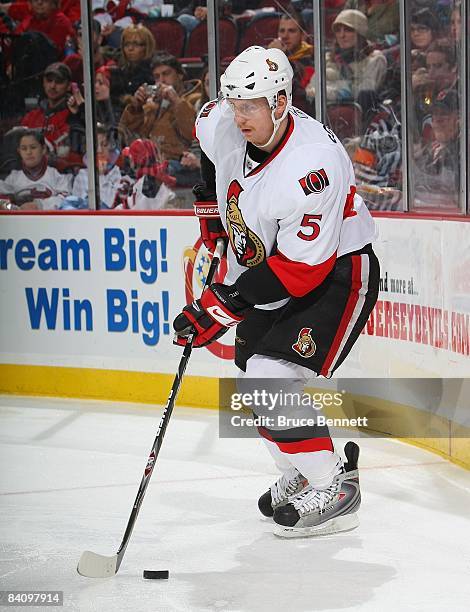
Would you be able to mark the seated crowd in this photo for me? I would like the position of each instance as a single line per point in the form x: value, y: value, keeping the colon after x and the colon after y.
x: 147, y: 99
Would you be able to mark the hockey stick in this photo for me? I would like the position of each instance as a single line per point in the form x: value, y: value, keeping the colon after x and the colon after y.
x: 92, y: 564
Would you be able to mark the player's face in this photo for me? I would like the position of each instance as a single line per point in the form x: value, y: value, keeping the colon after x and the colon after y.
x: 253, y: 119
x: 290, y: 35
x: 346, y: 37
x: 31, y: 151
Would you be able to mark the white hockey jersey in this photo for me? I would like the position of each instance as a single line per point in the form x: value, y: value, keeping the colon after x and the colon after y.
x: 299, y: 204
x: 48, y: 191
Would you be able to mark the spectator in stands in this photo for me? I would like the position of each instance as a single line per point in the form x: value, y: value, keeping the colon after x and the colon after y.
x: 440, y: 73
x: 383, y: 19
x: 291, y: 38
x: 439, y: 162
x: 205, y: 94
x: 46, y: 17
x: 291, y: 35
x: 192, y: 14
x: 440, y: 8
x: 106, y: 113
x: 37, y: 186
x: 377, y: 160
x: 53, y: 114
x: 152, y: 188
x: 424, y: 29
x: 74, y: 60
x: 354, y: 70
x: 20, y: 10
x: 110, y: 178
x: 137, y: 49
x: 456, y: 22
x: 164, y: 113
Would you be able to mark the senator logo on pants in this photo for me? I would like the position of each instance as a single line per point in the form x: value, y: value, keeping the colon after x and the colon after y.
x: 305, y: 346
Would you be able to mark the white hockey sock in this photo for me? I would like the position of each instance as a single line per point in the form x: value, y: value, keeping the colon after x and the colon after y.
x: 280, y: 459
x: 318, y: 467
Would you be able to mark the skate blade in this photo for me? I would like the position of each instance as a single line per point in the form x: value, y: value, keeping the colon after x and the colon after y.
x: 334, y: 525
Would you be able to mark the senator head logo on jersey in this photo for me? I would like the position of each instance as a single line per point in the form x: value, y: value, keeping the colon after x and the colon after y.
x: 305, y: 346
x: 247, y: 246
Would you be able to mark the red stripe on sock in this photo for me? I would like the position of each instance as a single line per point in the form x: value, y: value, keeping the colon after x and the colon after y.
x: 302, y: 446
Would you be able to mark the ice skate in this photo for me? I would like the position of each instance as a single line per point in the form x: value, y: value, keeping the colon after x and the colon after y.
x: 315, y: 512
x: 290, y: 483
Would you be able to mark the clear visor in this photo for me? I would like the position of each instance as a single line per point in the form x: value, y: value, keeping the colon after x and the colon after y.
x: 247, y: 109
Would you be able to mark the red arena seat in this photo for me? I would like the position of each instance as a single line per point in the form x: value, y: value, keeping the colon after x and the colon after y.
x: 260, y: 31
x: 345, y: 119
x: 276, y: 4
x: 168, y: 33
x: 228, y: 36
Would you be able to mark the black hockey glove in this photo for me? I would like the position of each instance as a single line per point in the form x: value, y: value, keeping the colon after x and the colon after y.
x: 220, y: 307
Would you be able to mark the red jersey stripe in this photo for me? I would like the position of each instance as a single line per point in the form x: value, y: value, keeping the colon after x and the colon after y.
x: 297, y: 277
x: 356, y: 284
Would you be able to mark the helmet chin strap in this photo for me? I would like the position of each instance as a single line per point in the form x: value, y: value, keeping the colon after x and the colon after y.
x: 276, y: 124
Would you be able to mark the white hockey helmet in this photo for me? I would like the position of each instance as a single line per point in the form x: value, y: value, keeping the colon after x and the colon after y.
x: 256, y: 73
x: 259, y: 73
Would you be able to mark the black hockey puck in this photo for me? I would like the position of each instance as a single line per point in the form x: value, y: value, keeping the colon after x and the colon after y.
x: 156, y: 575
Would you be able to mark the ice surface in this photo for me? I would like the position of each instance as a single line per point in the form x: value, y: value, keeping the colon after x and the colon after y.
x: 70, y: 472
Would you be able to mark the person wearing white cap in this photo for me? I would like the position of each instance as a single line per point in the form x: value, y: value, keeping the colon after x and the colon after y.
x: 354, y: 70
x: 383, y: 18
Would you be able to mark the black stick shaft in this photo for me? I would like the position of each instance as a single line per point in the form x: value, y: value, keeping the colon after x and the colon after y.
x: 165, y: 419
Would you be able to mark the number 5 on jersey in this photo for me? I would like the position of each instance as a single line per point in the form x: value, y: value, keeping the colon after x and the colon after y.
x: 310, y: 221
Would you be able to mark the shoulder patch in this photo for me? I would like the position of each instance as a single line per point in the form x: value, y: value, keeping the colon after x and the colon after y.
x: 207, y: 109
x: 314, y: 181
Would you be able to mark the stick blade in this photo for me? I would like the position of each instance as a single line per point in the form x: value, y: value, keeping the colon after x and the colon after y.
x: 92, y: 565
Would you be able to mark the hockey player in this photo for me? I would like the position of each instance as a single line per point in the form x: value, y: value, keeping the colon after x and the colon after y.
x: 302, y: 276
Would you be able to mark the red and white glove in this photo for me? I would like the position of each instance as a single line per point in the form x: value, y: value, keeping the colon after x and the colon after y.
x: 220, y: 307
x: 206, y: 210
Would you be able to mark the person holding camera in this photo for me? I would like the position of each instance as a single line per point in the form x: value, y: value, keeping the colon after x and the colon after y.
x: 164, y: 113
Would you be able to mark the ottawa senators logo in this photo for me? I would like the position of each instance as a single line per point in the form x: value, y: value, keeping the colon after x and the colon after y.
x: 315, y: 181
x: 305, y: 346
x: 272, y: 65
x: 248, y: 248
